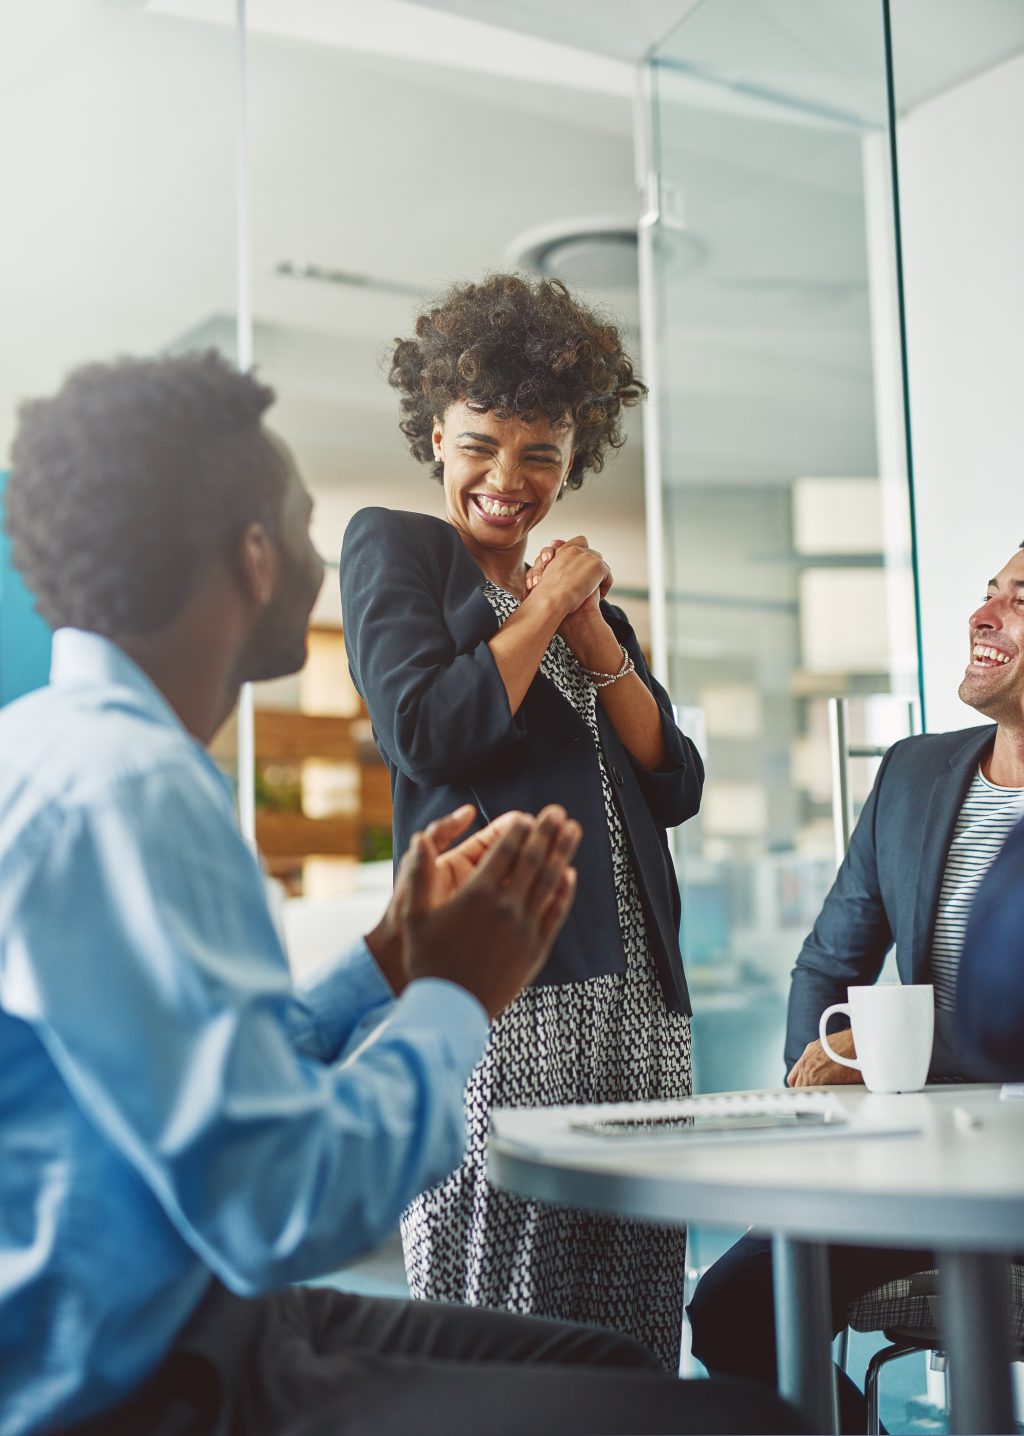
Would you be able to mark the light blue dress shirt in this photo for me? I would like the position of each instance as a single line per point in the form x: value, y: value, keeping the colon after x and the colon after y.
x: 171, y: 1106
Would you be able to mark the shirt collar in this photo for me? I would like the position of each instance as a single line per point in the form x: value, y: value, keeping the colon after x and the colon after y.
x: 81, y: 657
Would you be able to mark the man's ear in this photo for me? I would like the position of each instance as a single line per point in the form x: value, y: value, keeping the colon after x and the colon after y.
x: 257, y: 564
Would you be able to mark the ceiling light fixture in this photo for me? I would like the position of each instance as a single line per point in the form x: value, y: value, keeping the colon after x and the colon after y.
x: 595, y: 253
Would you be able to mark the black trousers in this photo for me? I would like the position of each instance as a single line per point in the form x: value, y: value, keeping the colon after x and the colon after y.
x: 732, y: 1314
x: 316, y: 1362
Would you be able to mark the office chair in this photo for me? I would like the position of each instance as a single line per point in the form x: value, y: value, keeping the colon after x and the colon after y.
x: 908, y: 1311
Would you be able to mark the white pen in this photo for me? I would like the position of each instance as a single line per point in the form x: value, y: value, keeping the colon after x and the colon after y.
x: 965, y: 1121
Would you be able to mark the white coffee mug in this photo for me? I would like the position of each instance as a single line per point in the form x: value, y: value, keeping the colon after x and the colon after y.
x: 893, y: 1026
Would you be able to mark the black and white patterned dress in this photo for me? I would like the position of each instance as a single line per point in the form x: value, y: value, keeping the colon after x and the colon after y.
x: 608, y: 1039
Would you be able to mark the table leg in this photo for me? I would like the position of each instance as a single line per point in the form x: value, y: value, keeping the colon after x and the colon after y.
x: 976, y: 1330
x: 803, y: 1330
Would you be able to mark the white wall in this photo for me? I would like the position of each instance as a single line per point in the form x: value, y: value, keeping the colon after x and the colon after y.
x: 962, y: 196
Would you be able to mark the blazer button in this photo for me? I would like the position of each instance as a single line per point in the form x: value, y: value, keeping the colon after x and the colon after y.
x: 617, y: 776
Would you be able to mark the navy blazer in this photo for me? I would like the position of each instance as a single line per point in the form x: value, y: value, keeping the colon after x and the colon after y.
x: 417, y: 625
x: 990, y: 983
x: 887, y: 890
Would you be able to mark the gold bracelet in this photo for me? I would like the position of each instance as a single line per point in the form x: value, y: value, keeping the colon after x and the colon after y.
x: 602, y: 680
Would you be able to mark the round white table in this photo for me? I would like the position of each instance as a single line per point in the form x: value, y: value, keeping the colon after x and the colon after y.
x: 954, y: 1185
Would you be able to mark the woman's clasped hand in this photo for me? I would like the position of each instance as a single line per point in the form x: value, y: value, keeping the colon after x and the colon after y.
x: 573, y: 574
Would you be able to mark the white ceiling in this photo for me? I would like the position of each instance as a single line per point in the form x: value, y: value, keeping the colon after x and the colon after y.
x: 604, y: 27
x: 936, y: 43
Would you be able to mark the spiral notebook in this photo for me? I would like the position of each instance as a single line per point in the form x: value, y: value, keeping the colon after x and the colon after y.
x: 740, y: 1116
x: 718, y: 1115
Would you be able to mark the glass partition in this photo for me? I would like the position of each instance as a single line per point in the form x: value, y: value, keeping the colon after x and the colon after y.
x: 118, y: 147
x: 784, y: 484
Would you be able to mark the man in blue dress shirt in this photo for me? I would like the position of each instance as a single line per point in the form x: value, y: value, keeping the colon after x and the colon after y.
x: 184, y: 1134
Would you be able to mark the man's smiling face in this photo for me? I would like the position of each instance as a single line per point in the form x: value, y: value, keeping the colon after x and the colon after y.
x: 993, y: 682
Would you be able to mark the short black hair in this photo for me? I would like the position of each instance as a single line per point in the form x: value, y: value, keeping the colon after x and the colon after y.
x: 524, y: 349
x: 129, y: 479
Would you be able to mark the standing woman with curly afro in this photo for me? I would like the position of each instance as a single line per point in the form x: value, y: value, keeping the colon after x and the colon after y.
x: 493, y: 683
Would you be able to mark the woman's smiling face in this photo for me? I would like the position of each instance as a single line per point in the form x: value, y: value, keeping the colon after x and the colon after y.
x: 501, y: 476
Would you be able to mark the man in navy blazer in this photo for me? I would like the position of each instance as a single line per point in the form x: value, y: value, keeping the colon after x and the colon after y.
x: 887, y: 891
x: 990, y: 991
x: 925, y: 817
x: 941, y: 808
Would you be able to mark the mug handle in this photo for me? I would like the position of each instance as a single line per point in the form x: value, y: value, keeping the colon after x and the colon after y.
x: 843, y: 1007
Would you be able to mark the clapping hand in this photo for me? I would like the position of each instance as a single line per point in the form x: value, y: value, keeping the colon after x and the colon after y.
x: 450, y: 868
x: 511, y: 881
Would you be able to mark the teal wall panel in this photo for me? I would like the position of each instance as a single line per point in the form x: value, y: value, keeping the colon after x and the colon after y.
x: 24, y: 637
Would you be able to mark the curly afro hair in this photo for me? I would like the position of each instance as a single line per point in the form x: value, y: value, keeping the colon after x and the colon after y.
x: 128, y: 479
x: 523, y: 349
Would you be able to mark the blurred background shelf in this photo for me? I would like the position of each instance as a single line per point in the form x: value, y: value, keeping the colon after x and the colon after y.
x: 282, y: 736
x: 323, y: 795
x: 293, y: 836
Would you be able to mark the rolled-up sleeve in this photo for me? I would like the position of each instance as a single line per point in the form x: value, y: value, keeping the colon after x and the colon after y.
x: 273, y: 1165
x: 437, y: 712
